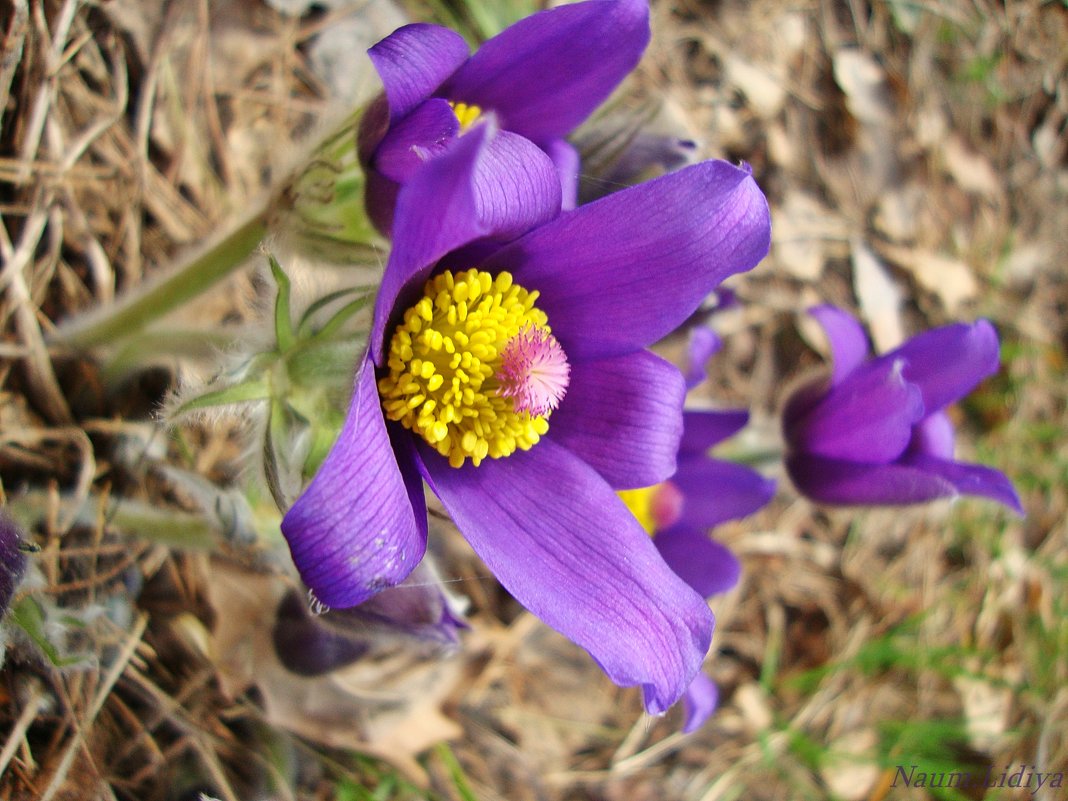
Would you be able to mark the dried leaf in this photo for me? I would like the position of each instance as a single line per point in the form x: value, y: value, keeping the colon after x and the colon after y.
x: 951, y: 280
x: 803, y: 226
x: 752, y: 701
x: 986, y: 711
x: 868, y: 99
x: 848, y: 770
x: 879, y: 298
x: 970, y: 170
x: 389, y: 706
x: 765, y: 92
x: 864, y: 83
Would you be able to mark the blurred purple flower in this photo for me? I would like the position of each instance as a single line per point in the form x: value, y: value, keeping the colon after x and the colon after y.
x: 540, y: 78
x: 704, y: 343
x: 537, y: 505
x: 876, y: 431
x: 643, y: 155
x: 703, y: 493
x: 417, y: 612
x: 12, y: 560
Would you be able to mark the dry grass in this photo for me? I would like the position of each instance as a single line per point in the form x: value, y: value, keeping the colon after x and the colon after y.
x: 917, y: 167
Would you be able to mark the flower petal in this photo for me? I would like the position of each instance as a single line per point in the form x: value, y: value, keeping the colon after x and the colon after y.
x: 425, y: 132
x: 702, y: 429
x: 566, y: 547
x: 416, y: 612
x: 706, y: 565
x: 867, y: 418
x: 380, y: 200
x: 516, y: 186
x: 485, y: 183
x: 647, y: 154
x: 849, y: 343
x: 716, y: 491
x: 971, y: 479
x: 567, y: 162
x: 934, y: 436
x: 619, y: 273
x: 308, y: 647
x: 546, y: 73
x: 413, y: 61
x: 12, y: 560
x: 357, y: 528
x: 703, y: 344
x: 836, y: 482
x: 700, y: 701
x: 948, y: 362
x: 623, y: 417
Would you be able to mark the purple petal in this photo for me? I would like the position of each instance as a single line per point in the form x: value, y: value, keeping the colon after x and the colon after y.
x: 706, y: 565
x: 934, y: 436
x: 546, y: 73
x: 567, y: 162
x: 485, y: 183
x: 413, y: 61
x: 835, y: 482
x: 12, y: 560
x: 516, y: 186
x: 380, y: 200
x: 703, y: 429
x: 417, y: 612
x: 948, y: 362
x: 699, y: 702
x: 849, y: 343
x: 308, y: 647
x: 357, y: 529
x: 645, y: 153
x: 424, y: 132
x: 703, y: 344
x: 971, y: 479
x: 623, y: 417
x: 716, y: 491
x: 621, y: 272
x: 867, y: 418
x: 566, y: 547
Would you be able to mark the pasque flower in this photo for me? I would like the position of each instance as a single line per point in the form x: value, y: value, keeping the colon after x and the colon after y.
x: 516, y: 384
x: 540, y: 78
x: 12, y: 560
x: 419, y: 613
x: 876, y: 430
x: 678, y: 512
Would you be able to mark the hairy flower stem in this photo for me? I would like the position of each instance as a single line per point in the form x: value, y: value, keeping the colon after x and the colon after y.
x: 185, y: 530
x: 186, y: 280
x: 319, y: 204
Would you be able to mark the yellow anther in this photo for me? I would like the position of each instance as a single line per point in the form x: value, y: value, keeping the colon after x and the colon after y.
x: 443, y: 365
x: 465, y: 114
x: 640, y: 503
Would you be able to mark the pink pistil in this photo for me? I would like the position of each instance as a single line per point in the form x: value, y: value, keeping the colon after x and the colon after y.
x: 534, y: 371
x: 665, y: 507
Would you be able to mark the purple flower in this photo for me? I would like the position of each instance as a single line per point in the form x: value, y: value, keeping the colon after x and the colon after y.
x: 876, y: 431
x: 526, y: 462
x: 417, y: 612
x: 12, y: 560
x: 703, y: 493
x: 540, y: 78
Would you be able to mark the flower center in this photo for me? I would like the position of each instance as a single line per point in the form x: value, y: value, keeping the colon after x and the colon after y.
x: 656, y: 507
x: 465, y: 114
x: 534, y: 371
x: 473, y: 368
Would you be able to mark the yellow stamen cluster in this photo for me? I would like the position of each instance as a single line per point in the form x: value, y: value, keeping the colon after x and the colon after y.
x: 465, y: 114
x: 640, y: 503
x: 443, y: 360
